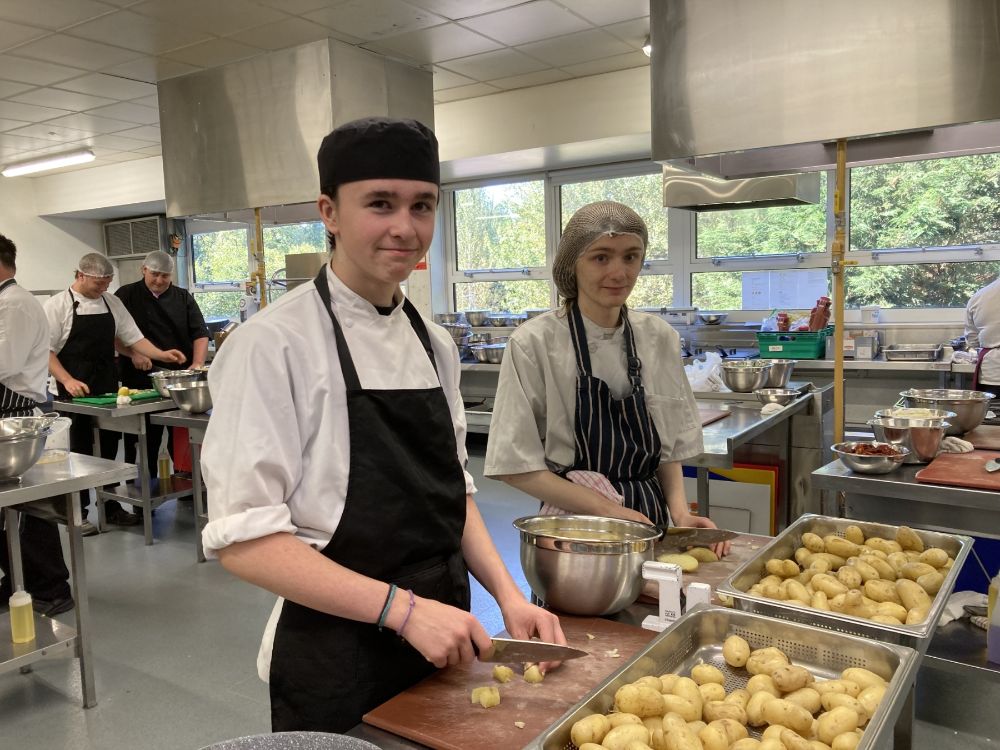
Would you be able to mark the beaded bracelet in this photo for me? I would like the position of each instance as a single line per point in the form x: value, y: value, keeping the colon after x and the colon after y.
x: 408, y: 613
x: 386, y: 606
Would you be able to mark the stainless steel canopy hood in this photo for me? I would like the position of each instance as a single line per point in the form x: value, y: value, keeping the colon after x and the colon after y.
x: 246, y: 134
x: 748, y: 88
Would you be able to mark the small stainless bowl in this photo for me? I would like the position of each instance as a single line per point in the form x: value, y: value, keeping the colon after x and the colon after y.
x: 476, y: 318
x: 869, y: 464
x: 452, y: 318
x: 712, y: 318
x: 783, y: 396
x: 480, y: 338
x: 194, y: 398
x: 18, y: 454
x: 490, y: 353
x: 781, y: 372
x: 163, y: 379
x: 744, y: 376
x: 498, y: 320
x: 456, y: 330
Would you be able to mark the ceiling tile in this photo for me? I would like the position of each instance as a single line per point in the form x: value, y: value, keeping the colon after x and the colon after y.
x: 33, y: 71
x: 576, y: 48
x: 465, y: 92
x: 148, y: 101
x: 288, y: 33
x: 540, y: 78
x: 13, y: 34
x: 603, y: 13
x: 59, y: 99
x: 374, y: 19
x: 150, y: 150
x: 213, y: 53
x: 24, y: 144
x: 608, y: 65
x: 9, y: 88
x: 28, y: 112
x: 52, y: 14
x: 458, y: 9
x: 11, y: 124
x: 499, y: 64
x: 129, y: 112
x: 48, y: 132
x: 113, y: 87
x: 219, y: 17
x: 445, y: 79
x: 118, y: 142
x: 148, y: 133
x: 140, y: 33
x: 633, y: 33
x: 82, y: 53
x: 151, y: 69
x: 436, y: 44
x: 91, y: 124
x: 297, y: 7
x: 527, y: 23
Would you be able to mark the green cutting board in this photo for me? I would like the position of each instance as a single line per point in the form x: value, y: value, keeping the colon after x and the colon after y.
x: 110, y: 399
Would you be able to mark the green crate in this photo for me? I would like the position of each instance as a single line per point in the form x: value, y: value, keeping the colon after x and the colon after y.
x: 793, y: 345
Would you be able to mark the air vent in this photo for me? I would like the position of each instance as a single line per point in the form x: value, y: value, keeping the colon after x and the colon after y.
x: 135, y: 237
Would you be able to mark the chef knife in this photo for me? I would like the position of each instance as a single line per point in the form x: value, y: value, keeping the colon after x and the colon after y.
x: 512, y: 651
x: 679, y: 537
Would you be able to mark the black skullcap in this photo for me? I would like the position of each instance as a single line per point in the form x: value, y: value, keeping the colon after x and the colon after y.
x: 376, y: 148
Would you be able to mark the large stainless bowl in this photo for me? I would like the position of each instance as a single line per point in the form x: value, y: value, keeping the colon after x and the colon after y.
x: 12, y: 428
x: 451, y: 318
x: 18, y: 454
x: 476, y: 318
x: 162, y: 379
x: 970, y: 407
x: 922, y: 437
x: 744, y: 376
x: 783, y: 396
x: 781, y: 372
x: 585, y: 565
x: 869, y: 464
x: 712, y: 318
x: 489, y: 353
x: 194, y: 398
x: 499, y: 320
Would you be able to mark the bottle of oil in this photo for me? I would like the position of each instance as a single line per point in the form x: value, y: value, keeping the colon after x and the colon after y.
x: 993, y: 637
x: 22, y: 617
x: 163, y: 465
x: 991, y: 600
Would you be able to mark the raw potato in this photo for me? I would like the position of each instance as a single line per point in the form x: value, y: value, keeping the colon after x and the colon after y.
x: 755, y: 708
x: 792, y: 590
x: 687, y: 688
x: 791, y: 678
x: 851, y: 577
x: 793, y: 740
x: 782, y: 568
x: 590, y: 729
x: 682, y: 706
x: 740, y: 697
x: 913, y: 570
x: 891, y: 609
x: 917, y: 615
x: 682, y: 739
x: 908, y: 539
x: 881, y: 565
x: 773, y: 732
x: 834, y: 722
x: 813, y: 542
x: 832, y: 700
x: 819, y: 601
x: 802, y: 556
x: 882, y: 591
x: 912, y: 594
x: 934, y: 556
x: 687, y: 563
x: 716, y: 710
x: 704, y: 673
x: 885, y: 545
x: 807, y: 697
x: 796, y: 718
x: 772, y: 743
x: 813, y: 745
x: 846, y: 741
x: 886, y: 619
x: 870, y: 697
x: 712, y: 691
x: 766, y: 660
x: 828, y: 585
x: 619, y: 737
x: 733, y: 729
x: 650, y: 682
x: 616, y: 720
x: 713, y: 738
x: 703, y: 554
x: 487, y: 697
x: 590, y: 746
x: 672, y: 721
x: 837, y: 545
x: 931, y: 582
x: 862, y: 677
x: 641, y: 701
x: 854, y: 534
x: 504, y: 674
x: 867, y: 571
x: 667, y: 682
x: 760, y: 682
x: 533, y: 674
x: 748, y: 743
x: 696, y: 726
x: 842, y: 685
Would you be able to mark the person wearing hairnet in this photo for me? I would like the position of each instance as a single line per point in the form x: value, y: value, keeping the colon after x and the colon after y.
x: 170, y: 318
x: 85, y: 326
x: 347, y: 494
x: 593, y: 412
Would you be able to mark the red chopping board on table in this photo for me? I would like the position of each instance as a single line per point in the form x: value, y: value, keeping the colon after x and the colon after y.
x: 962, y: 470
x: 438, y: 712
x: 711, y: 415
x: 984, y: 437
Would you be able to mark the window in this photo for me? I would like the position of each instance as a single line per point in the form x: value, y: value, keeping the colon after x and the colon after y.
x: 503, y: 296
x: 289, y: 239
x: 919, y: 284
x: 654, y: 290
x: 220, y: 265
x: 500, y: 226
x: 765, y: 289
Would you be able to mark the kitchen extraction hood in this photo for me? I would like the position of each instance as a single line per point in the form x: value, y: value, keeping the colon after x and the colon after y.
x: 246, y: 135
x: 702, y: 192
x: 747, y: 88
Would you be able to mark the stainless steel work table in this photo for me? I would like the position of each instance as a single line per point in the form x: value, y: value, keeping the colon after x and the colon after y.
x: 195, y: 424
x: 69, y: 476
x: 131, y: 419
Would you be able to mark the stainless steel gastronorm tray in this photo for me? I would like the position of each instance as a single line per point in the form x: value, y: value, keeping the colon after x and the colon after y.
x: 913, y: 352
x: 699, y: 635
x: 784, y: 546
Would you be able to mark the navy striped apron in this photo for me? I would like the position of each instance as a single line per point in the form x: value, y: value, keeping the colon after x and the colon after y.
x: 616, y: 437
x: 12, y: 403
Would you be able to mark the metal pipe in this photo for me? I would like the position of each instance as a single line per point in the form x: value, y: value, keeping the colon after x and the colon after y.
x: 259, y: 276
x: 837, y: 257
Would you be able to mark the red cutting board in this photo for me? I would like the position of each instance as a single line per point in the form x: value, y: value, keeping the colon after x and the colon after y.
x: 984, y: 437
x: 438, y: 711
x: 962, y: 470
x: 711, y: 415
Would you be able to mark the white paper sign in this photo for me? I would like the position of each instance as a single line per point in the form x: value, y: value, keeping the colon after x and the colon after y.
x: 784, y: 290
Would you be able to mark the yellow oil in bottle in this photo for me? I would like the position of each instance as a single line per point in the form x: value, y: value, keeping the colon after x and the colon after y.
x: 991, y: 596
x: 22, y: 618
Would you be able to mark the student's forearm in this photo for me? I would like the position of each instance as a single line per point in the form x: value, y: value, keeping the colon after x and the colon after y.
x: 573, y: 498
x: 57, y: 370
x: 200, y: 351
x: 671, y: 476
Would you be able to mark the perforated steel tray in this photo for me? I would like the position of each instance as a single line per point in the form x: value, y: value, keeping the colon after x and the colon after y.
x: 913, y: 352
x: 784, y: 545
x: 699, y: 635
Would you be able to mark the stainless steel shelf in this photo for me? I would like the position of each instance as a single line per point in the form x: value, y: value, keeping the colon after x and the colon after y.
x: 52, y: 638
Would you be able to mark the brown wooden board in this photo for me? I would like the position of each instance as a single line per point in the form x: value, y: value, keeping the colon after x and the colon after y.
x: 711, y: 415
x: 438, y: 711
x: 984, y: 437
x: 962, y: 470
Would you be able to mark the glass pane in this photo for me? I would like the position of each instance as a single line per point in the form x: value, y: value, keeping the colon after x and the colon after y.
x: 764, y: 231
x: 918, y: 285
x: 220, y: 256
x: 642, y: 193
x: 499, y: 296
x: 717, y: 291
x: 288, y: 239
x: 796, y: 289
x: 654, y: 290
x: 933, y: 203
x: 501, y: 226
x: 219, y: 304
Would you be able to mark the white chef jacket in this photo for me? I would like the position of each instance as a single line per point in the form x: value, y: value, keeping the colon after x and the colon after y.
x: 24, y: 343
x: 276, y: 455
x: 59, y: 311
x: 982, y: 328
x: 533, y: 422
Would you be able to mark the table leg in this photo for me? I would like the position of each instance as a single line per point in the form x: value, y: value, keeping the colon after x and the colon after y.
x: 902, y: 732
x: 82, y: 610
x: 12, y: 518
x: 702, y: 484
x: 199, y: 497
x: 144, y: 483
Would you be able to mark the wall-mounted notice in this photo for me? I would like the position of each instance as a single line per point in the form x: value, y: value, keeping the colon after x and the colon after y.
x: 785, y: 290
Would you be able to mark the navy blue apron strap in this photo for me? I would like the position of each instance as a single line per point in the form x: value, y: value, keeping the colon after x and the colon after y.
x: 631, y: 358
x: 579, y: 335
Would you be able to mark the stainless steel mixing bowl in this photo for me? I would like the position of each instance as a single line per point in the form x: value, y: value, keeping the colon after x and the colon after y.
x: 476, y: 318
x: 18, y: 454
x: 744, y: 376
x: 783, y: 396
x: 585, y: 565
x: 869, y: 464
x: 781, y: 372
x: 194, y: 398
x: 970, y: 407
x: 922, y: 437
x: 451, y: 318
x: 162, y: 379
x: 712, y: 318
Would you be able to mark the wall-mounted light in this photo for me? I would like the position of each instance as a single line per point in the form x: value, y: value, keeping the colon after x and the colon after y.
x: 80, y: 156
x: 647, y: 46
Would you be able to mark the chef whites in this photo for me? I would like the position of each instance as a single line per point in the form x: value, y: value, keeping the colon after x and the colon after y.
x: 24, y: 345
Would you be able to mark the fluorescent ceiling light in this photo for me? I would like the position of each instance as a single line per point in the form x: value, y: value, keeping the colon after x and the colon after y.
x: 647, y: 47
x: 48, y: 162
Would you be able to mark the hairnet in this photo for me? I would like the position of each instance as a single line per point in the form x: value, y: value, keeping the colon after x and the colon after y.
x: 95, y: 264
x: 584, y: 227
x: 159, y: 261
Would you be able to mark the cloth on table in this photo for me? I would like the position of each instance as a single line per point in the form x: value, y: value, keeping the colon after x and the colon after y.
x: 952, y: 444
x: 954, y: 609
x: 769, y: 409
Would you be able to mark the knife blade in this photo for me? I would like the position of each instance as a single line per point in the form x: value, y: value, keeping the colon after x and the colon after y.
x: 678, y: 537
x: 513, y: 651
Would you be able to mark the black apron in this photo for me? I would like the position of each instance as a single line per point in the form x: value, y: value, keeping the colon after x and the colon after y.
x: 616, y: 437
x: 12, y: 403
x: 157, y: 324
x: 89, y: 352
x: 402, y: 523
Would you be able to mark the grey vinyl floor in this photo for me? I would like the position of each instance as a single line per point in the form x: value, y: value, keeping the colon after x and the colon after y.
x: 175, y: 644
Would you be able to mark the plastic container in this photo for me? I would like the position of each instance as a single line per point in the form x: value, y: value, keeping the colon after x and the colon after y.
x: 991, y: 596
x: 22, y: 617
x: 163, y: 464
x: 794, y: 344
x: 993, y: 638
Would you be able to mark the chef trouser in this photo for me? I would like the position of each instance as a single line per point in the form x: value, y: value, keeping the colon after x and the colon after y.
x: 81, y: 440
x: 45, y: 573
x: 154, y: 438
